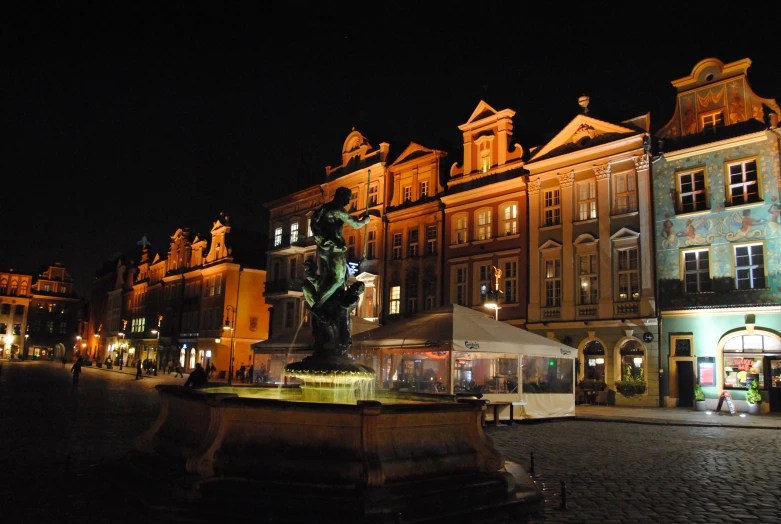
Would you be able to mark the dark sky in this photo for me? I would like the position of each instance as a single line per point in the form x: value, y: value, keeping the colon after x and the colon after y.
x: 125, y: 119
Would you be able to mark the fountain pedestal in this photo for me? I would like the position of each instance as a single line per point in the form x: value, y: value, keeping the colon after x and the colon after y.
x: 363, y: 462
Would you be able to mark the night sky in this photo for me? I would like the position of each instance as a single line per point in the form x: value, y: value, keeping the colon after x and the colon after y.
x: 130, y: 119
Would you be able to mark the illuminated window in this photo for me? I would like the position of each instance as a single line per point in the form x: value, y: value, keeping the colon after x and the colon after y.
x: 509, y: 214
x: 696, y: 271
x: 587, y: 200
x: 588, y: 273
x: 407, y: 194
x: 395, y: 300
x: 743, y: 183
x: 460, y: 222
x: 277, y: 236
x: 626, y: 193
x: 632, y: 361
x: 424, y: 189
x: 510, y: 281
x: 749, y: 266
x: 397, y: 246
x: 628, y: 275
x: 485, y: 157
x: 309, y: 227
x: 743, y: 360
x: 483, y: 224
x: 712, y: 120
x: 691, y: 191
x: 294, y: 232
x: 551, y: 207
x: 552, y: 283
x: 431, y: 240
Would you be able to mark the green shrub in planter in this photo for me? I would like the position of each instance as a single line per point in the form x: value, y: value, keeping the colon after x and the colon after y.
x: 698, y: 394
x: 753, y: 395
x: 630, y: 388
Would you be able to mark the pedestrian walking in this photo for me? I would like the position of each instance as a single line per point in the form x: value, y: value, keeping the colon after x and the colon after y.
x: 197, y: 378
x: 139, y: 373
x: 63, y: 361
x: 179, y: 372
x: 76, y: 370
x: 212, y: 370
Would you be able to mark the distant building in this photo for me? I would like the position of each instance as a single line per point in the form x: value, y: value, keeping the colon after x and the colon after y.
x: 56, y: 314
x: 15, y: 298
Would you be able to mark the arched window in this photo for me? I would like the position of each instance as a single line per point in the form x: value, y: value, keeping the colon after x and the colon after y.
x: 744, y: 359
x: 632, y: 360
x: 594, y: 360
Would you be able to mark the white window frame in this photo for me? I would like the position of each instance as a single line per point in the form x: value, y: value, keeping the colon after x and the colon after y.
x: 551, y: 207
x: 394, y: 307
x: 696, y: 271
x: 407, y: 194
x: 743, y: 182
x: 294, y: 232
x: 625, y: 191
x: 712, y: 120
x: 628, y: 274
x: 277, y: 236
x: 509, y: 216
x: 586, y: 192
x: 483, y: 224
x: 692, y: 191
x: 460, y: 228
x: 423, y: 188
x: 749, y: 265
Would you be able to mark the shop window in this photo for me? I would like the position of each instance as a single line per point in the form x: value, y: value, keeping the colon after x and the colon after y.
x: 594, y: 357
x: 547, y: 374
x: 632, y: 361
x: 486, y: 372
x: 743, y: 359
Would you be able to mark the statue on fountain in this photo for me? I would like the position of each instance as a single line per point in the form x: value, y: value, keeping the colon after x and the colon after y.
x: 325, y: 290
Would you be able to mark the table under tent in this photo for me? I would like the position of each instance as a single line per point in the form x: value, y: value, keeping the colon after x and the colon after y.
x: 457, y: 350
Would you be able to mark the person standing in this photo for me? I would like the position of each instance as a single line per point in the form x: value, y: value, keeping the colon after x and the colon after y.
x: 197, y: 378
x: 139, y: 373
x: 76, y: 370
x: 179, y: 371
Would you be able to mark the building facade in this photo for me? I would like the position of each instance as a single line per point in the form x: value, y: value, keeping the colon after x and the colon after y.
x: 486, y: 234
x: 591, y: 268
x: 718, y: 233
x: 16, y: 292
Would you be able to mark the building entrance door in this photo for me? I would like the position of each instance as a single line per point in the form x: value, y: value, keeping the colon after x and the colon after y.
x: 773, y: 380
x: 685, y: 383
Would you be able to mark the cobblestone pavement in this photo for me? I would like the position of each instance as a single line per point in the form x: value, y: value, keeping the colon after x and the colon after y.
x: 54, y: 438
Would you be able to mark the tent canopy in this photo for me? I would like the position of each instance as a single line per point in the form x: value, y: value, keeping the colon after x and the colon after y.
x: 462, y: 329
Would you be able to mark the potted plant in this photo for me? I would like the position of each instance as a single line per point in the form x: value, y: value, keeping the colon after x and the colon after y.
x: 699, y: 398
x: 631, y: 386
x: 753, y: 398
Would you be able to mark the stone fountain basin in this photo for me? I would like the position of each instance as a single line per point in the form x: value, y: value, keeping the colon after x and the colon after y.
x: 387, y: 451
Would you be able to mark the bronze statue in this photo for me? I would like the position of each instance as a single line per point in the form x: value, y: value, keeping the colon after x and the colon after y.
x: 325, y: 290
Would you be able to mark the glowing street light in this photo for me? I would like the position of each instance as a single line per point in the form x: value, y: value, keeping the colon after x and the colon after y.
x: 230, y: 325
x: 492, y: 299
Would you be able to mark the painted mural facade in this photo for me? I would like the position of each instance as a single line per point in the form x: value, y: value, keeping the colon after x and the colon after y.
x: 718, y: 237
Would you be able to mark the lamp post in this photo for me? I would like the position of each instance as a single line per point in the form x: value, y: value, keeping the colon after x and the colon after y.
x: 26, y: 337
x: 230, y: 324
x: 157, y: 343
x: 493, y: 296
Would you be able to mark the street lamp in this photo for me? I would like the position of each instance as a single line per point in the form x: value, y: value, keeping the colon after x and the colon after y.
x: 26, y: 337
x: 230, y: 324
x: 157, y: 343
x: 492, y: 301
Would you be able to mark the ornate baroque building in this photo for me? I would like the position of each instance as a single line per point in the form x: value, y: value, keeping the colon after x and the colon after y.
x: 718, y: 231
x: 15, y: 300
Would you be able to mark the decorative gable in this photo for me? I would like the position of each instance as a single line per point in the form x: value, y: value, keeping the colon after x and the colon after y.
x: 581, y: 131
